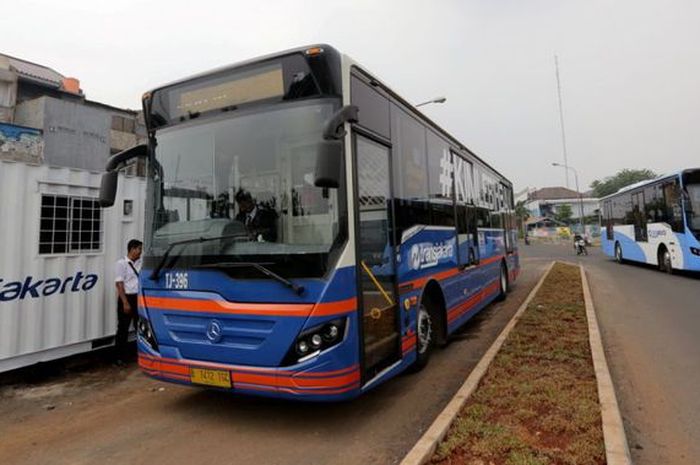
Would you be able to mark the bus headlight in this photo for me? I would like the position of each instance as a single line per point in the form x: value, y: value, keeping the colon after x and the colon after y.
x: 312, y: 341
x: 145, y: 331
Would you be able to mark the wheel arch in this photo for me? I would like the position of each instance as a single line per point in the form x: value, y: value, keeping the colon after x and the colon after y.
x: 438, y: 308
x: 659, y: 256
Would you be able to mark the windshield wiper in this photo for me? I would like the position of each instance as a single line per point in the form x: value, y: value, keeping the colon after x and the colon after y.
x: 156, y: 271
x: 264, y: 270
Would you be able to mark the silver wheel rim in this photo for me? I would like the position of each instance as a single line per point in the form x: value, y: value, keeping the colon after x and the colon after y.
x: 504, y: 283
x: 425, y: 329
x: 618, y: 253
x: 667, y: 261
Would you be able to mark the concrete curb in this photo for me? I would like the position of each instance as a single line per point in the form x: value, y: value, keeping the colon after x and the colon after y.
x: 424, y: 449
x: 616, y: 449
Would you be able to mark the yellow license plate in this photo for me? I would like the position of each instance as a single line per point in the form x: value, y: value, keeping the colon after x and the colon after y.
x: 218, y: 378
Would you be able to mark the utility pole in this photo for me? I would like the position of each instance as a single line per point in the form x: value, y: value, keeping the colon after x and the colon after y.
x: 561, y: 121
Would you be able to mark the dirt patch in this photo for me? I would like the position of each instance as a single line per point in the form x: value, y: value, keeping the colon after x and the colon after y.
x: 538, y: 402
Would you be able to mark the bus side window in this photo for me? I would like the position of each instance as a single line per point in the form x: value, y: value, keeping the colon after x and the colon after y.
x: 607, y: 215
x: 482, y: 218
x: 672, y: 206
x: 468, y: 240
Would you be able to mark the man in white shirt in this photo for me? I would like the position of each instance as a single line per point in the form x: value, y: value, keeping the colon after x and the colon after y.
x: 127, y: 283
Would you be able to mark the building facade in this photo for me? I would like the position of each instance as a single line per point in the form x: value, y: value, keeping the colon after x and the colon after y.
x: 547, y: 202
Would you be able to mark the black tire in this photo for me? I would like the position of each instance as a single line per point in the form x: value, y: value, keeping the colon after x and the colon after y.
x: 425, y: 340
x: 618, y: 253
x: 502, y: 283
x: 665, y: 262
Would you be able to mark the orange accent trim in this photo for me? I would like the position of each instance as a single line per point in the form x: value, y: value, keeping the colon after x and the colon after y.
x: 331, y: 382
x: 420, y: 282
x: 459, y: 310
x: 236, y: 308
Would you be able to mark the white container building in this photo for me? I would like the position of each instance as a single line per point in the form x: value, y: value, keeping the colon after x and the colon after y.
x: 57, y: 255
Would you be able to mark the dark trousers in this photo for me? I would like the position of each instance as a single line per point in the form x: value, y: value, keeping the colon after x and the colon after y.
x: 123, y: 321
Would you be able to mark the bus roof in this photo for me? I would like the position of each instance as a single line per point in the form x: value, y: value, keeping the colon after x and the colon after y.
x: 330, y: 49
x: 409, y: 106
x: 639, y: 184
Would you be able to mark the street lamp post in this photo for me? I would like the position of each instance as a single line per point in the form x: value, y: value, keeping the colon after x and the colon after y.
x: 580, y: 198
x: 434, y: 100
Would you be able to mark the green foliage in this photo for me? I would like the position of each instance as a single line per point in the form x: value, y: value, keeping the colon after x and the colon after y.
x: 522, y: 214
x: 564, y: 213
x: 623, y: 178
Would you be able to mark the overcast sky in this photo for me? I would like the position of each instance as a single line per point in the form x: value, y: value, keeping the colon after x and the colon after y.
x: 630, y: 69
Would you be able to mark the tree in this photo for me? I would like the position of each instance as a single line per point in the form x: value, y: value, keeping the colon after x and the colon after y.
x: 521, y: 211
x: 522, y: 214
x: 623, y: 178
x: 564, y: 213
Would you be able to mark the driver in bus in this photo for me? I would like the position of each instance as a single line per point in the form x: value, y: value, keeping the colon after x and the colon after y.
x: 260, y: 221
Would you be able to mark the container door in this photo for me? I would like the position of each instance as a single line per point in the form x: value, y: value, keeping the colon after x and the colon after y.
x: 375, y: 257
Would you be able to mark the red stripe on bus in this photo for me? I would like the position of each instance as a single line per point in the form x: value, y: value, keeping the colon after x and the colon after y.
x: 459, y: 310
x: 294, y: 380
x: 420, y: 282
x: 252, y: 370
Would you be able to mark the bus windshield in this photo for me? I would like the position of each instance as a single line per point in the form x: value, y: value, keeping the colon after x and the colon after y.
x: 249, y: 179
x: 692, y: 187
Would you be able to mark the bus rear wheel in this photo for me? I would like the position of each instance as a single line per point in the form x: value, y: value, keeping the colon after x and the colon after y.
x: 618, y: 253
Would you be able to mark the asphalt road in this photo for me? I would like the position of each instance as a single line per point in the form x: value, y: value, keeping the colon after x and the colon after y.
x: 112, y: 416
x: 650, y: 324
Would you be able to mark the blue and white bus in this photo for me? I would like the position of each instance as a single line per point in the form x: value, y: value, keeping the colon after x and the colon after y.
x: 309, y: 233
x: 656, y: 222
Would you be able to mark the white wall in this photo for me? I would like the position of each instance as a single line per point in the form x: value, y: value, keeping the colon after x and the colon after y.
x: 41, y: 328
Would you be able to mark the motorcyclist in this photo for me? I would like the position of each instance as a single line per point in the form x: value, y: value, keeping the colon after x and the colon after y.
x: 580, y: 245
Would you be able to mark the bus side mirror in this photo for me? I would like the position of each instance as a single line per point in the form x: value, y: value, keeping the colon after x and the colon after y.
x: 108, y: 185
x: 328, y: 164
x: 334, y: 128
x: 108, y: 188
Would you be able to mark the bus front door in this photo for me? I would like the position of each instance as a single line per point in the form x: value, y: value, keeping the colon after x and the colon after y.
x: 376, y: 266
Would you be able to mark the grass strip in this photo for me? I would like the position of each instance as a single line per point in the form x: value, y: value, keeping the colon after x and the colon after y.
x: 538, y: 402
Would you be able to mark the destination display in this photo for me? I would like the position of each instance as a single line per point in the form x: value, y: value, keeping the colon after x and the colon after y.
x: 260, y: 84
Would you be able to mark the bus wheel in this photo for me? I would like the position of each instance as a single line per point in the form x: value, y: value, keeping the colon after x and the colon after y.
x: 424, y: 336
x: 618, y: 253
x: 503, y: 283
x: 665, y: 263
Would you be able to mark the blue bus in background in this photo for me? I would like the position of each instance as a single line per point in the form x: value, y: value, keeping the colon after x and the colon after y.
x: 656, y: 222
x: 309, y: 233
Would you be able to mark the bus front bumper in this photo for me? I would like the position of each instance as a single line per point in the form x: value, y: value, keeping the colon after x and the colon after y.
x: 314, y: 380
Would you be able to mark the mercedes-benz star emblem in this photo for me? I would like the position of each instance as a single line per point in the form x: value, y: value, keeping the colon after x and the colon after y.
x: 214, y: 331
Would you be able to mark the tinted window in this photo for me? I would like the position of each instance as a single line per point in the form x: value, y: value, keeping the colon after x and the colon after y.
x: 409, y: 213
x: 442, y: 213
x: 409, y: 156
x: 482, y: 218
x: 439, y: 167
x: 373, y: 108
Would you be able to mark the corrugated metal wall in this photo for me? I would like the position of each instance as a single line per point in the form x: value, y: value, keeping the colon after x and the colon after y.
x: 36, y: 325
